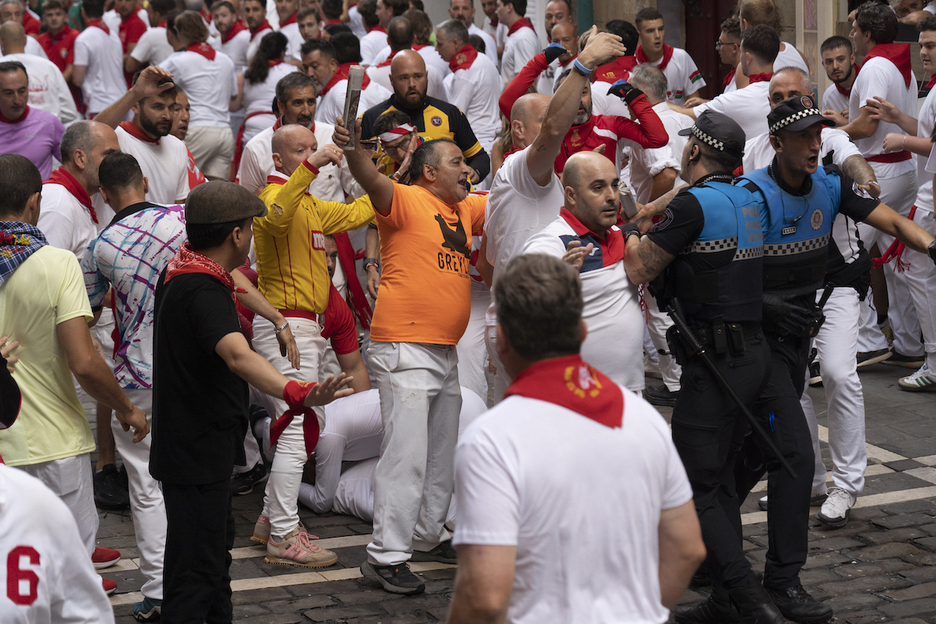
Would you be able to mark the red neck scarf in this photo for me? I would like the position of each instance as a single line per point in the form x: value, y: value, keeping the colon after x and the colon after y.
x: 61, y: 177
x: 294, y: 394
x: 274, y: 62
x: 346, y: 257
x: 378, y: 28
x: 569, y: 62
x: 932, y: 81
x: 236, y: 27
x: 206, y: 15
x: 99, y: 24
x: 465, y: 57
x: 729, y: 77
x: 388, y: 61
x: 264, y: 25
x: 204, y: 49
x: 765, y: 77
x: 289, y: 20
x: 13, y: 121
x: 330, y: 22
x: 667, y: 55
x: 896, y: 53
x: 523, y: 22
x: 419, y: 46
x: 137, y: 133
x: 572, y: 383
x: 843, y: 90
x: 187, y: 261
x: 342, y: 74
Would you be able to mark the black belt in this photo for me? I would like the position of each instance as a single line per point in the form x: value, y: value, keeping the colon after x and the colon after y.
x: 709, y: 334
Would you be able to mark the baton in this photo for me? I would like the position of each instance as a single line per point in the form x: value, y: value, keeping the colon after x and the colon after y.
x: 696, y: 348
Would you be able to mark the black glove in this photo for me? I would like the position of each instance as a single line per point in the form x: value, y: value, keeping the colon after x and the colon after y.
x: 791, y: 319
x: 625, y: 90
x: 553, y: 51
x: 931, y: 250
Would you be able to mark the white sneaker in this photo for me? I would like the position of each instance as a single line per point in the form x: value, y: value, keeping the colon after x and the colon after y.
x: 835, y: 509
x: 923, y: 379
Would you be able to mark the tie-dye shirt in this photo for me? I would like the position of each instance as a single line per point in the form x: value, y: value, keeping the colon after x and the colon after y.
x: 130, y: 254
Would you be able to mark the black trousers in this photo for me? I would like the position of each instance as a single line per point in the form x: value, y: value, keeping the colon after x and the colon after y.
x: 200, y: 535
x: 780, y: 413
x: 708, y: 428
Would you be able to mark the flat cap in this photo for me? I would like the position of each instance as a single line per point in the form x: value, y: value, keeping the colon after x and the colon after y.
x: 221, y: 202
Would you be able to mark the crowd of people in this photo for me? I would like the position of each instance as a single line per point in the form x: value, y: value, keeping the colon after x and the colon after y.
x: 259, y: 292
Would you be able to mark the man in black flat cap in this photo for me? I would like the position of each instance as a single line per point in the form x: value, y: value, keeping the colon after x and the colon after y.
x: 202, y: 367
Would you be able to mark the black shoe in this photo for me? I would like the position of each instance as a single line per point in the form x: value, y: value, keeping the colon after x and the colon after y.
x: 815, y: 377
x: 754, y: 605
x: 244, y: 482
x: 109, y: 494
x: 396, y: 579
x: 443, y: 553
x: 796, y: 604
x: 714, y: 610
x: 660, y: 396
x: 867, y: 358
x: 907, y: 361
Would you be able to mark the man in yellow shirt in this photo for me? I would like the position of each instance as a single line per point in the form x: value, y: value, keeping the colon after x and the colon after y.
x: 293, y: 276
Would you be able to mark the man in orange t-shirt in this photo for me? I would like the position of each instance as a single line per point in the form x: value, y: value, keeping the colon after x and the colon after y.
x: 421, y: 313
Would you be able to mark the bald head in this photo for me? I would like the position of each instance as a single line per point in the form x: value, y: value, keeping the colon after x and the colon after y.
x: 591, y: 190
x: 409, y: 79
x: 526, y: 117
x: 12, y: 38
x: 291, y: 145
x: 581, y: 166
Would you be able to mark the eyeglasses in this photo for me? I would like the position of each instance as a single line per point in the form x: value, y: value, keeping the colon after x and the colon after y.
x: 719, y: 44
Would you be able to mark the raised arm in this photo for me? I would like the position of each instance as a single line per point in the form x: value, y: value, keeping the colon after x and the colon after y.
x: 379, y: 187
x: 291, y: 194
x: 147, y: 85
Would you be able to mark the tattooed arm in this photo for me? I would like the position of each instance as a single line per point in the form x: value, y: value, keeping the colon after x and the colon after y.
x: 644, y: 259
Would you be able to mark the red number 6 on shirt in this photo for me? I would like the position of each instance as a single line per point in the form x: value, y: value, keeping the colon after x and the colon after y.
x: 15, y: 574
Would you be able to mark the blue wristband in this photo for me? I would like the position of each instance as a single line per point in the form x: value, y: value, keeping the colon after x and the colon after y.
x: 582, y: 69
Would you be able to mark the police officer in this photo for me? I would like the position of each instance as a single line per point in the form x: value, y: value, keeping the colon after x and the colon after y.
x: 801, y: 200
x: 708, y: 247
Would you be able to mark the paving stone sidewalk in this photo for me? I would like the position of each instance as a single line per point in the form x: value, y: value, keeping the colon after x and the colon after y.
x: 881, y: 567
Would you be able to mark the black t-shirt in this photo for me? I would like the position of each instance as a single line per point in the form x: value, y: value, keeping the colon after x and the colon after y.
x: 199, y: 406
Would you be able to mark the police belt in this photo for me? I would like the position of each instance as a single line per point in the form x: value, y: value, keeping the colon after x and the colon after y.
x: 710, y: 335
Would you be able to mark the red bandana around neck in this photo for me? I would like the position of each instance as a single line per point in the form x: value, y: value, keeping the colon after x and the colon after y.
x: 136, y: 132
x: 419, y: 46
x: 465, y: 57
x: 378, y: 28
x: 569, y: 62
x: 61, y: 177
x: 294, y: 394
x: 523, y: 22
x: 187, y: 261
x: 572, y: 383
x: 238, y: 27
x: 932, y: 81
x: 342, y: 74
x: 274, y: 62
x: 264, y: 25
x: 896, y: 53
x: 13, y: 121
x: 765, y: 77
x: 289, y: 20
x: 388, y: 61
x: 667, y: 55
x: 204, y: 49
x: 99, y: 24
x: 729, y: 77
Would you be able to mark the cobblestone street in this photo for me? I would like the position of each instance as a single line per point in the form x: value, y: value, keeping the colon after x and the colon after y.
x: 881, y: 567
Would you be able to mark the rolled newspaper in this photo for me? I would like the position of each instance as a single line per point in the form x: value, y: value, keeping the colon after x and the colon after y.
x: 352, y: 99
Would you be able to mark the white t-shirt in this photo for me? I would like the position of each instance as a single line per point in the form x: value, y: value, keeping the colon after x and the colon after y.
x: 927, y: 119
x: 39, y: 540
x: 539, y: 477
x: 48, y: 90
x: 66, y: 223
x: 257, y: 163
x: 833, y: 100
x: 436, y: 87
x: 254, y: 44
x: 434, y: 62
x: 209, y: 85
x: 295, y: 41
x: 34, y: 48
x: 153, y: 47
x: 732, y: 85
x: 371, y: 44
x: 102, y: 53
x: 789, y: 57
x: 748, y: 106
x: 381, y: 75
x: 647, y: 163
x: 682, y: 76
x: 164, y: 164
x: 331, y: 104
x: 519, y: 48
x: 879, y: 76
x: 258, y: 97
x: 475, y: 91
x: 356, y: 22
x: 614, y: 344
x: 490, y: 46
x: 235, y: 49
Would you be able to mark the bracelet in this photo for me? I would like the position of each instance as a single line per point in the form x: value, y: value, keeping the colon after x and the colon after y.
x: 577, y: 64
x: 278, y: 330
x: 370, y: 261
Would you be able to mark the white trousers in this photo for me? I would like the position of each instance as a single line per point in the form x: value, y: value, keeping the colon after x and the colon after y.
x: 501, y: 379
x: 920, y: 278
x: 870, y: 336
x: 837, y: 344
x: 420, y: 402
x: 657, y: 324
x: 282, y: 489
x: 70, y: 479
x: 146, y: 499
x: 472, y: 352
x: 898, y: 193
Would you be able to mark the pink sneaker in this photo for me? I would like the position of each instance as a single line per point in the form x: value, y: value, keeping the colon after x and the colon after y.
x: 105, y: 557
x: 297, y: 549
x: 261, y: 532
